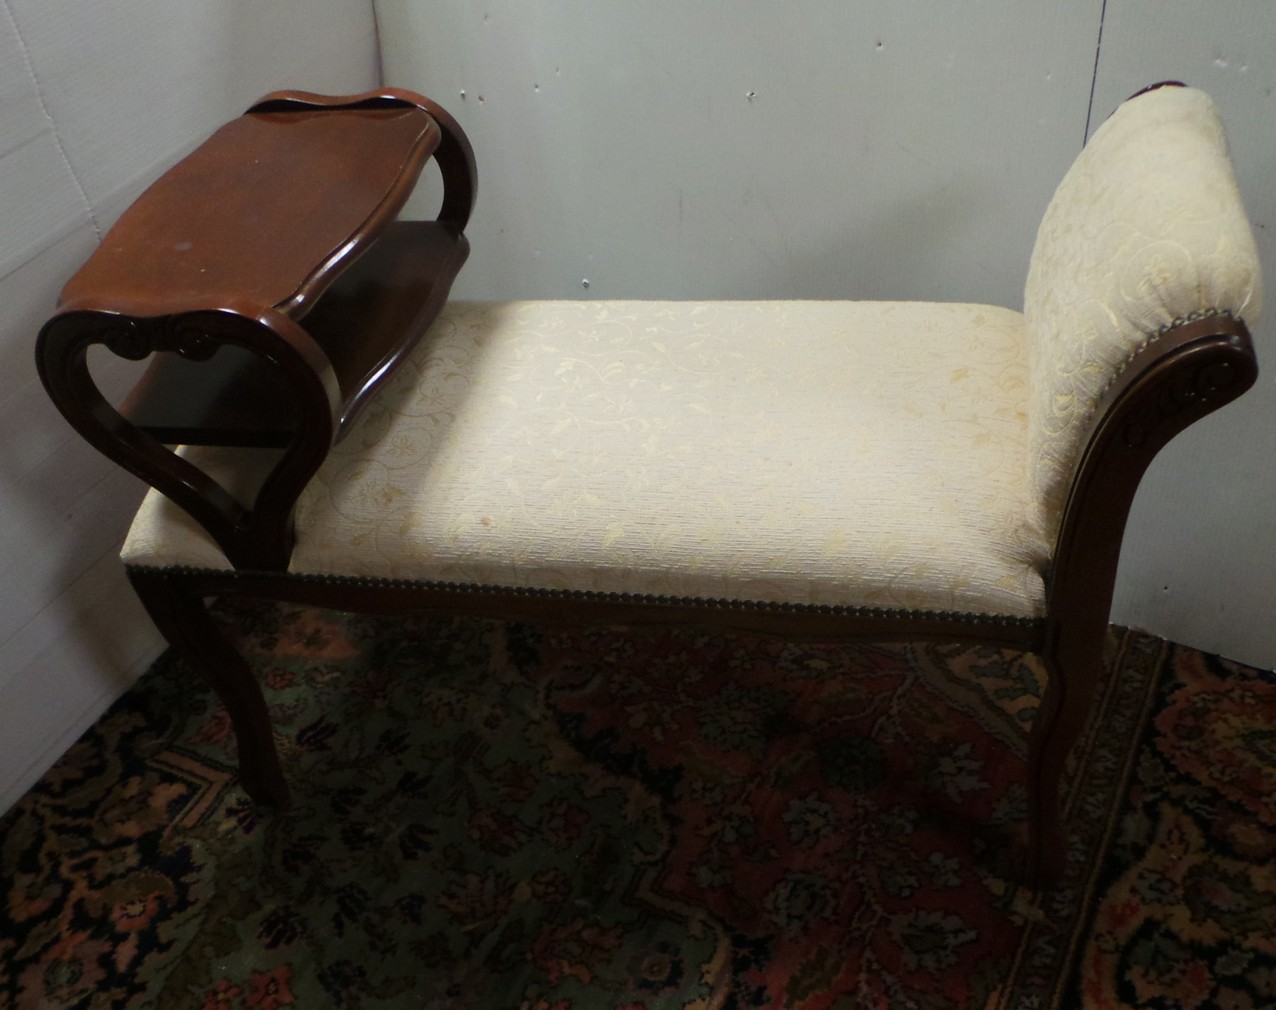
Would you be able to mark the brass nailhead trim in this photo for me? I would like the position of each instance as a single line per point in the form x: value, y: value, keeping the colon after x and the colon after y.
x: 584, y: 595
x: 1165, y: 328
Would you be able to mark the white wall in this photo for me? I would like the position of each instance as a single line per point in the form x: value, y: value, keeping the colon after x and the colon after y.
x: 748, y: 148
x: 857, y: 149
x: 1199, y: 564
x: 95, y: 101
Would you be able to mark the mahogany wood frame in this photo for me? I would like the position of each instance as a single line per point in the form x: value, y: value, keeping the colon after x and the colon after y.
x: 1180, y: 374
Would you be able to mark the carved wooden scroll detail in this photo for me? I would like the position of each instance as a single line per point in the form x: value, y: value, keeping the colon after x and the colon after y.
x: 256, y: 534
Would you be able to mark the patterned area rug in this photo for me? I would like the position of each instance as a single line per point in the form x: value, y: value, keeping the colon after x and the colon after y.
x: 505, y: 816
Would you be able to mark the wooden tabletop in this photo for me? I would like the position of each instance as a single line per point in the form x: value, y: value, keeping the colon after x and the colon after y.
x: 271, y: 208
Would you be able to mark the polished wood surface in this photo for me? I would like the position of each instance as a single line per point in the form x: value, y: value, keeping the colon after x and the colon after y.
x: 269, y: 209
x: 1185, y: 372
x: 455, y: 155
x: 398, y: 287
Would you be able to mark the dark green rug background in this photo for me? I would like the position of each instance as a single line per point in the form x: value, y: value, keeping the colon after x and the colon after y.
x: 490, y: 815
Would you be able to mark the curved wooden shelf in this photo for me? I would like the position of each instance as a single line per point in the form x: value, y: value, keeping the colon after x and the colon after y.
x: 397, y: 287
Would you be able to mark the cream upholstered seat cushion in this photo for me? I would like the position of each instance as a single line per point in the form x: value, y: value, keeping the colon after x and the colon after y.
x: 846, y: 453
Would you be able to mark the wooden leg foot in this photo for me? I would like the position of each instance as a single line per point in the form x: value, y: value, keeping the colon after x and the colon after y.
x: 1073, y: 675
x: 195, y: 637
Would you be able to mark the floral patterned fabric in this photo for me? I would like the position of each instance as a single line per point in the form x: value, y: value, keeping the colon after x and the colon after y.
x: 1146, y: 228
x: 492, y: 815
x: 832, y: 453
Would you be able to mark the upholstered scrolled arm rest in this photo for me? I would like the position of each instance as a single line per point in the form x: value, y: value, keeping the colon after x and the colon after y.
x: 1147, y: 228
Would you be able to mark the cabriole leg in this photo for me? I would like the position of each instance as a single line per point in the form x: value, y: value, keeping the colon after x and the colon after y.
x: 183, y: 619
x: 1072, y: 670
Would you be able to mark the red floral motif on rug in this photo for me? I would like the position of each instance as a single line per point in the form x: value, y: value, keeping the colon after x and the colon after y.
x: 1188, y: 916
x: 835, y: 813
x: 492, y: 815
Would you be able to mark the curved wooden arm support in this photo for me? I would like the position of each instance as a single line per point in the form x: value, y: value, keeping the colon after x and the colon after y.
x: 456, y: 160
x: 1186, y: 371
x: 1181, y: 374
x: 257, y: 534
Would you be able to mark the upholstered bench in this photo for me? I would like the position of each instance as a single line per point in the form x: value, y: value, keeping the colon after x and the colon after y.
x: 837, y: 469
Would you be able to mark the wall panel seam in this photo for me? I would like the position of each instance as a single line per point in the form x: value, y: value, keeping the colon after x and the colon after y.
x: 1094, y: 73
x: 44, y: 109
